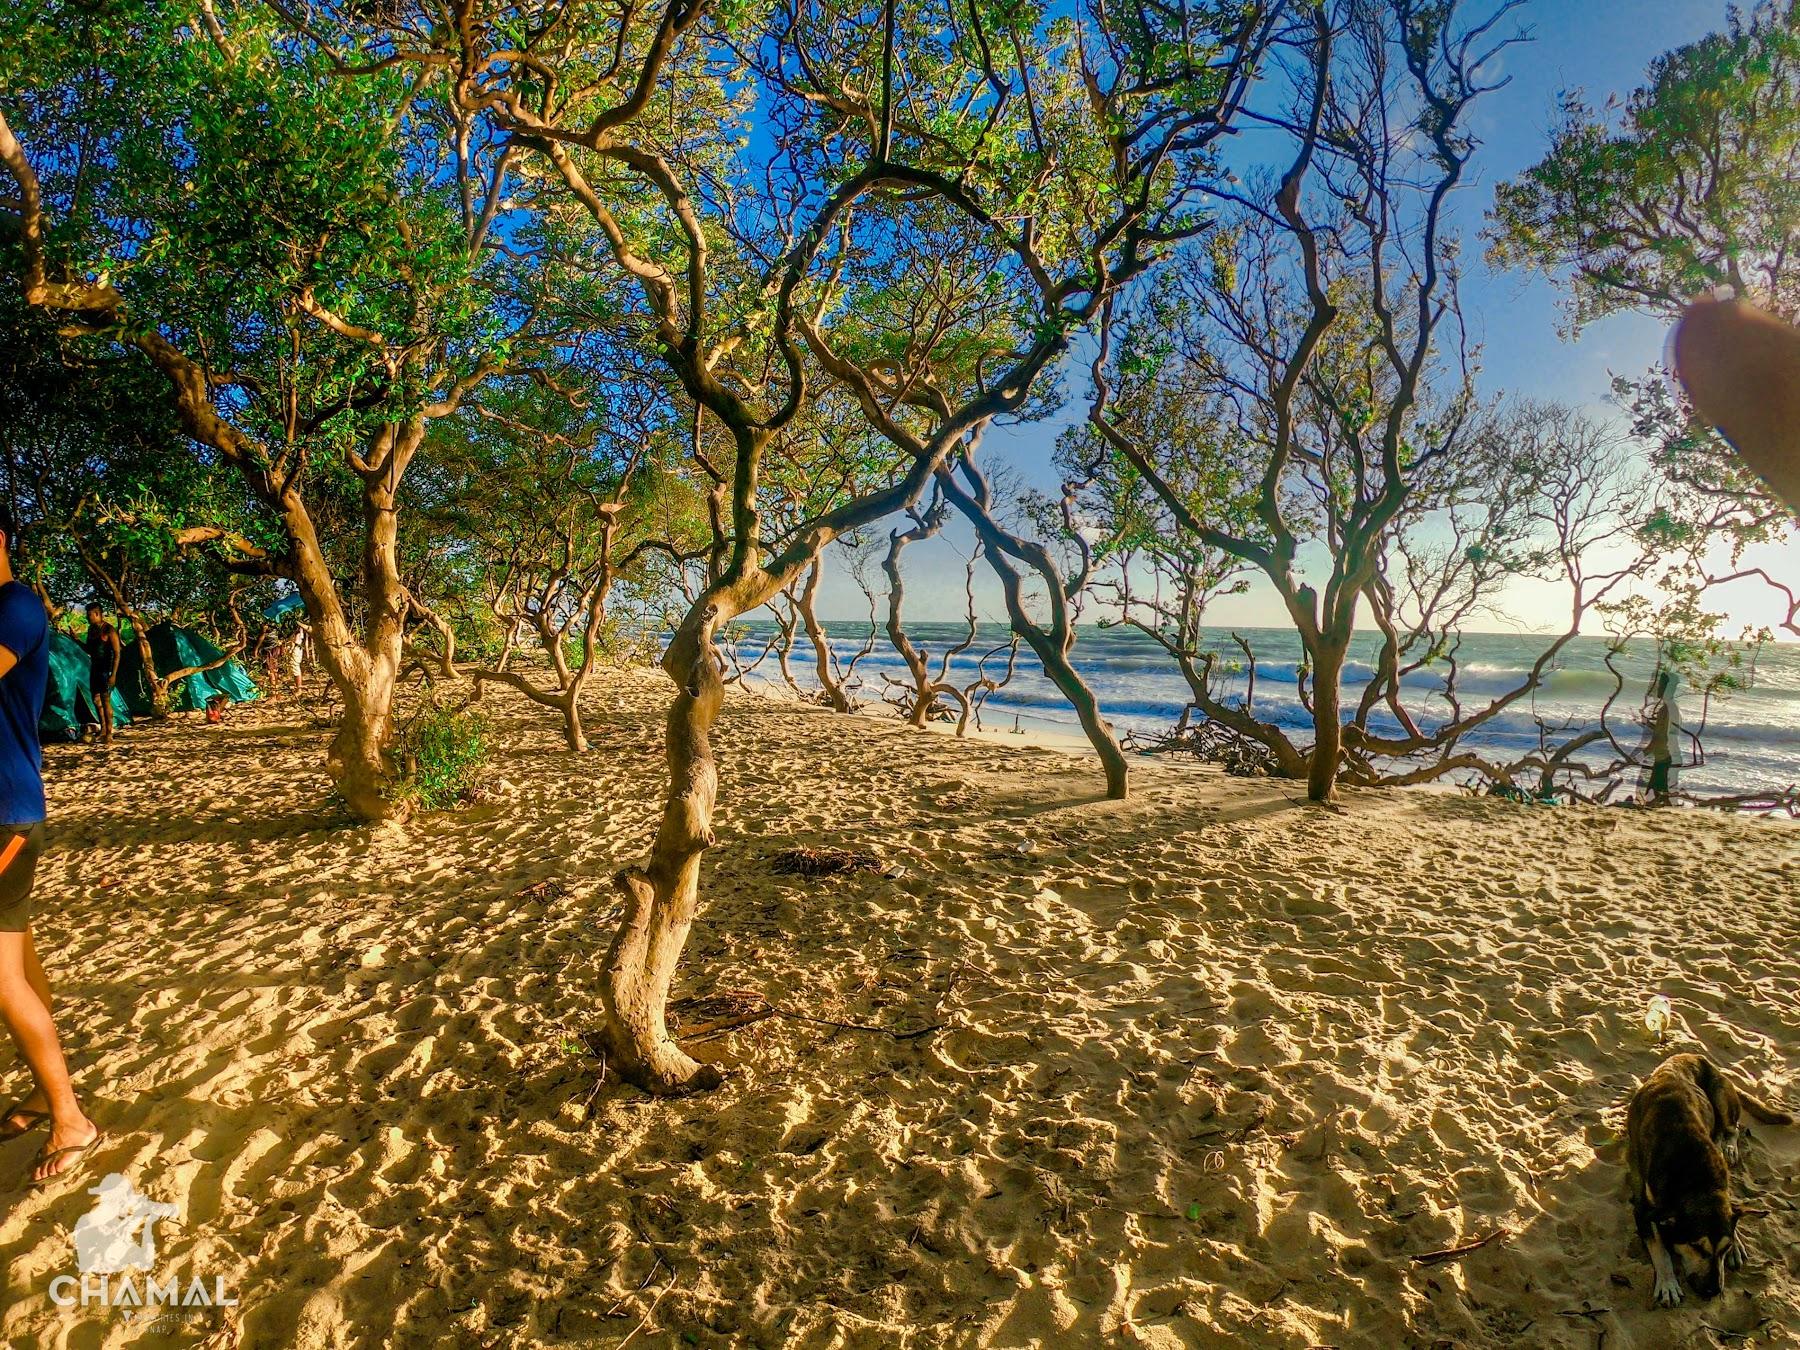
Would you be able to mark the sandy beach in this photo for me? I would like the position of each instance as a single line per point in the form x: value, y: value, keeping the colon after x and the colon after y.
x: 1206, y: 1068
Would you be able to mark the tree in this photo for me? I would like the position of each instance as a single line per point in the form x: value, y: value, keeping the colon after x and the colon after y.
x: 1067, y: 149
x: 929, y: 687
x: 1302, y: 388
x: 115, y: 510
x: 836, y: 675
x: 1692, y: 183
x: 553, y: 498
x: 308, y: 264
x: 1018, y: 555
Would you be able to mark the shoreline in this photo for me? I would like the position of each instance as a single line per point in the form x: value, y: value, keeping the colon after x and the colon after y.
x: 1074, y: 743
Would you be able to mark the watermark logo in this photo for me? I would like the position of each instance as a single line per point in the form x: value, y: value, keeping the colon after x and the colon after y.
x: 119, y: 1232
x: 115, y: 1249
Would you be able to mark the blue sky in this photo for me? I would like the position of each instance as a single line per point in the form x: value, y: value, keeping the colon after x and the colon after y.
x: 1598, y: 46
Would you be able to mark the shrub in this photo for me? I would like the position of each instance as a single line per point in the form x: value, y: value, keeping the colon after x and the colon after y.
x: 442, y: 751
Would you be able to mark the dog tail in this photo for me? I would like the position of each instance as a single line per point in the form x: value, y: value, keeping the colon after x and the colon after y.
x: 1767, y: 1114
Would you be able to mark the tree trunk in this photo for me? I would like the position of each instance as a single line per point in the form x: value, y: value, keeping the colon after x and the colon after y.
x: 917, y: 664
x: 1328, y: 727
x: 159, y: 688
x: 1072, y: 687
x: 366, y: 672
x: 577, y: 738
x: 661, y: 897
x: 1286, y: 761
x: 815, y: 631
x: 1050, y: 641
x: 358, y: 761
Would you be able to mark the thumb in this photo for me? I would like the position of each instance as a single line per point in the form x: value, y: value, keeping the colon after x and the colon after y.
x: 1741, y: 368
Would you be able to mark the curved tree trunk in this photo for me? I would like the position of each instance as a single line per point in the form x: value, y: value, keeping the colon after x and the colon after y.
x: 821, y: 643
x: 1051, y: 642
x: 572, y: 732
x: 594, y: 600
x: 158, y: 687
x: 661, y: 897
x: 925, y: 691
x: 1287, y: 760
x: 1062, y: 673
x: 590, y: 606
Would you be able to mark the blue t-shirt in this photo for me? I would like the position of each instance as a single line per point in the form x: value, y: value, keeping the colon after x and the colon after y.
x: 25, y: 632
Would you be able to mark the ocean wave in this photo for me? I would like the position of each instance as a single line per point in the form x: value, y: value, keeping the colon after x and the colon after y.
x: 1752, y: 736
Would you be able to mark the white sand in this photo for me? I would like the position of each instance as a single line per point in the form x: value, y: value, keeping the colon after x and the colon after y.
x: 1212, y: 1065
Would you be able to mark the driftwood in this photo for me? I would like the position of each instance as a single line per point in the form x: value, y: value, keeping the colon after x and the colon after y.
x: 1212, y: 743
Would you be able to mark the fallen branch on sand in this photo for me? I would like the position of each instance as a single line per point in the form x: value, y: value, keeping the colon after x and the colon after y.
x: 1728, y: 1335
x: 707, y: 1030
x: 856, y: 1026
x: 743, y: 1007
x: 1242, y: 1133
x: 1455, y: 1253
x: 650, y: 1311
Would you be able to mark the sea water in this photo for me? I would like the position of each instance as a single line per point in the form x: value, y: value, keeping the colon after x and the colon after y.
x: 1749, y: 738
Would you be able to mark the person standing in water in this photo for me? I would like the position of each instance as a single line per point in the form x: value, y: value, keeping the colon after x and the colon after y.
x: 104, y: 651
x: 24, y: 989
x: 1661, y: 752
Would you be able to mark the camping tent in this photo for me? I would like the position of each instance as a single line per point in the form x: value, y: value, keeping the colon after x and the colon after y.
x: 288, y: 603
x: 68, y: 707
x: 174, y: 649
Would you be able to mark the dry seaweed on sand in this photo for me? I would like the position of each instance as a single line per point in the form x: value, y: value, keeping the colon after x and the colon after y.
x: 826, y: 862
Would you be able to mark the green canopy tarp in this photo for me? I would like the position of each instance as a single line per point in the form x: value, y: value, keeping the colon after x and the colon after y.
x: 177, y: 649
x: 68, y: 707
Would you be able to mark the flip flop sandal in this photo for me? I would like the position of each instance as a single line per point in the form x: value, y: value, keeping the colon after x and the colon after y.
x: 74, y: 1169
x: 32, y: 1120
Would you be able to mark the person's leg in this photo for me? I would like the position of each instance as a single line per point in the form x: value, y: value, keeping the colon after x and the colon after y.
x: 34, y: 1101
x: 27, y: 1019
x: 104, y: 701
x: 15, y: 882
x: 34, y: 974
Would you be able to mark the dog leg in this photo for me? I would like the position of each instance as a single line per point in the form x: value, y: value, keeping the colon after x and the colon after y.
x: 1668, y: 1277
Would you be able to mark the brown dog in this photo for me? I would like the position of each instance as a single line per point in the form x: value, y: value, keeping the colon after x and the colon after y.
x: 1683, y: 1129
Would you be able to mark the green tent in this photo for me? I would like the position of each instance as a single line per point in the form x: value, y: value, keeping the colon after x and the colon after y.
x: 68, y: 706
x: 176, y: 649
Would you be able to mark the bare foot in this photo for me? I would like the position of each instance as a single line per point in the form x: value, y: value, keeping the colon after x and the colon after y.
x: 62, y: 1150
x: 26, y: 1115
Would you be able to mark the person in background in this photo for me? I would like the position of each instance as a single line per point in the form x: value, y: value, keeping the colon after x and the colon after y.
x: 273, y: 654
x: 104, y: 651
x: 24, y: 989
x: 297, y: 657
x: 1661, y: 753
